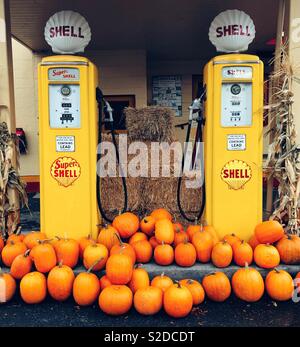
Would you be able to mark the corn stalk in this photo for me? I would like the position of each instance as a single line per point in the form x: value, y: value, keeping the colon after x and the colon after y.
x: 283, y: 153
x: 12, y: 190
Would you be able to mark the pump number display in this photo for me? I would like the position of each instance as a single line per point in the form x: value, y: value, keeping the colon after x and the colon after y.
x: 64, y: 105
x: 236, y: 107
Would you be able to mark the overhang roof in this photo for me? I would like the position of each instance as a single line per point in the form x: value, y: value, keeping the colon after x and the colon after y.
x: 167, y: 29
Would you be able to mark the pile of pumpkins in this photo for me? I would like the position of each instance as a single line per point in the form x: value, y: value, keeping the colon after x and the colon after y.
x: 46, y: 266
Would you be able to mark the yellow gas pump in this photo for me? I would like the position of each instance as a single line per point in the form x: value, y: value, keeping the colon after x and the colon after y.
x: 68, y: 131
x: 233, y: 134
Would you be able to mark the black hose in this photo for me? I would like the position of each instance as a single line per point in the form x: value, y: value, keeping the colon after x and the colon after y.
x: 99, y: 98
x: 203, y: 198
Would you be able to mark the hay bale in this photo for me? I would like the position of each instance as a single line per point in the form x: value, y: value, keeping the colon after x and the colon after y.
x: 150, y: 123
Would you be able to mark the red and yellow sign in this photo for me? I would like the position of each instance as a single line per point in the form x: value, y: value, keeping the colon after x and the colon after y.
x: 65, y: 170
x: 236, y: 173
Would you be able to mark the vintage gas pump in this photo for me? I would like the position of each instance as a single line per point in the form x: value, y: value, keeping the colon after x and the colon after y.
x: 68, y: 131
x: 233, y: 112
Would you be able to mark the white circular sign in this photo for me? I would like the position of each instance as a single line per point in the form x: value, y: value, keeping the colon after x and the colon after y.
x: 232, y: 31
x: 67, y: 32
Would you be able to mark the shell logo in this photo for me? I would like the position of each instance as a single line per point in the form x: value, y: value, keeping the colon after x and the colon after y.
x: 65, y: 170
x: 236, y: 173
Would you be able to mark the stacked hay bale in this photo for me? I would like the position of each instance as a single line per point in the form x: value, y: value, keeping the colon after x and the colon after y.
x: 150, y: 125
x: 155, y: 124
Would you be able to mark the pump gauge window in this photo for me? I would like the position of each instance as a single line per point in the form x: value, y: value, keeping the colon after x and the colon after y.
x: 65, y: 90
x: 64, y: 105
x: 236, y: 104
x: 235, y: 89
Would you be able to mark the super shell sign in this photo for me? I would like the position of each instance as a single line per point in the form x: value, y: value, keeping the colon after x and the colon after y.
x: 236, y: 173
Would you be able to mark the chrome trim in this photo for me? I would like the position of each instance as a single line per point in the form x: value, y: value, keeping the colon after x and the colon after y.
x: 47, y: 63
x: 237, y: 62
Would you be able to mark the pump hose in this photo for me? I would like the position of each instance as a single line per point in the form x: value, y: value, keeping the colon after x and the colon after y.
x: 99, y: 97
x: 203, y: 198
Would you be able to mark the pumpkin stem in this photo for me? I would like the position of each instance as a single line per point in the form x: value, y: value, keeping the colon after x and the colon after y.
x: 189, y: 281
x: 145, y: 220
x: 246, y: 265
x: 60, y: 263
x: 138, y: 265
x: 18, y: 232
x: 94, y: 264
x: 276, y: 270
x: 178, y: 284
x: 26, y: 254
x: 162, y: 274
x: 44, y: 241
x: 119, y: 239
x: 58, y: 238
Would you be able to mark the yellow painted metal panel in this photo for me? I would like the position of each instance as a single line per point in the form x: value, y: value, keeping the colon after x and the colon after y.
x: 233, y: 177
x: 68, y: 179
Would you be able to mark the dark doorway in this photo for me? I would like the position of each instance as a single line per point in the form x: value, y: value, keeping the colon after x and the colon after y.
x: 118, y: 103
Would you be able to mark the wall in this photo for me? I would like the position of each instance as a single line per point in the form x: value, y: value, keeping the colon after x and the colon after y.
x: 120, y: 72
x: 172, y: 67
x: 26, y: 105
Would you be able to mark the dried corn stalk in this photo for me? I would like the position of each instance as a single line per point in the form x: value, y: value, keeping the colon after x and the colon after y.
x: 283, y: 153
x: 12, y: 189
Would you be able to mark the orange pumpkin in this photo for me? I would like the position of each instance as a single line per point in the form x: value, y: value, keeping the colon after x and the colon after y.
x: 67, y: 251
x: 86, y: 288
x: 178, y: 227
x: 108, y: 236
x: 11, y: 250
x: 161, y: 213
x: 126, y: 224
x: 279, y: 285
x: 33, y: 287
x: 232, y: 239
x: 148, y: 301
x: 7, y: 287
x: 192, y: 229
x: 119, y: 268
x: 269, y: 231
x: 60, y: 282
x: 124, y: 248
x: 143, y: 251
x: 163, y: 282
x: 253, y: 242
x: 44, y: 256
x: 164, y: 231
x: 147, y: 225
x: 185, y: 254
x: 164, y: 254
x: 95, y: 255
x: 115, y: 300
x: 137, y: 237
x: 266, y: 256
x: 242, y: 253
x: 289, y: 249
x: 139, y: 280
x: 247, y: 284
x: 196, y: 290
x: 153, y: 242
x: 211, y: 230
x: 221, y: 255
x: 32, y: 239
x: 203, y: 244
x: 15, y: 237
x: 217, y: 286
x: 83, y: 242
x: 104, y: 282
x: 178, y: 301
x: 21, y: 265
x: 180, y: 236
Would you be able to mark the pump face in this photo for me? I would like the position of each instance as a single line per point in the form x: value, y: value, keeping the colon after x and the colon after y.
x: 68, y: 138
x: 233, y: 136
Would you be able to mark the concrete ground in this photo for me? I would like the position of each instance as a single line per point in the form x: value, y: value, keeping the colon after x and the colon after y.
x: 232, y: 313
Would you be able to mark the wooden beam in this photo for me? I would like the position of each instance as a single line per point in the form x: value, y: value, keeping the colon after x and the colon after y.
x: 272, y: 122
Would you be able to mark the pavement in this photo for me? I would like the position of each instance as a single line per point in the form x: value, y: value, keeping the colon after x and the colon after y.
x: 231, y: 313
